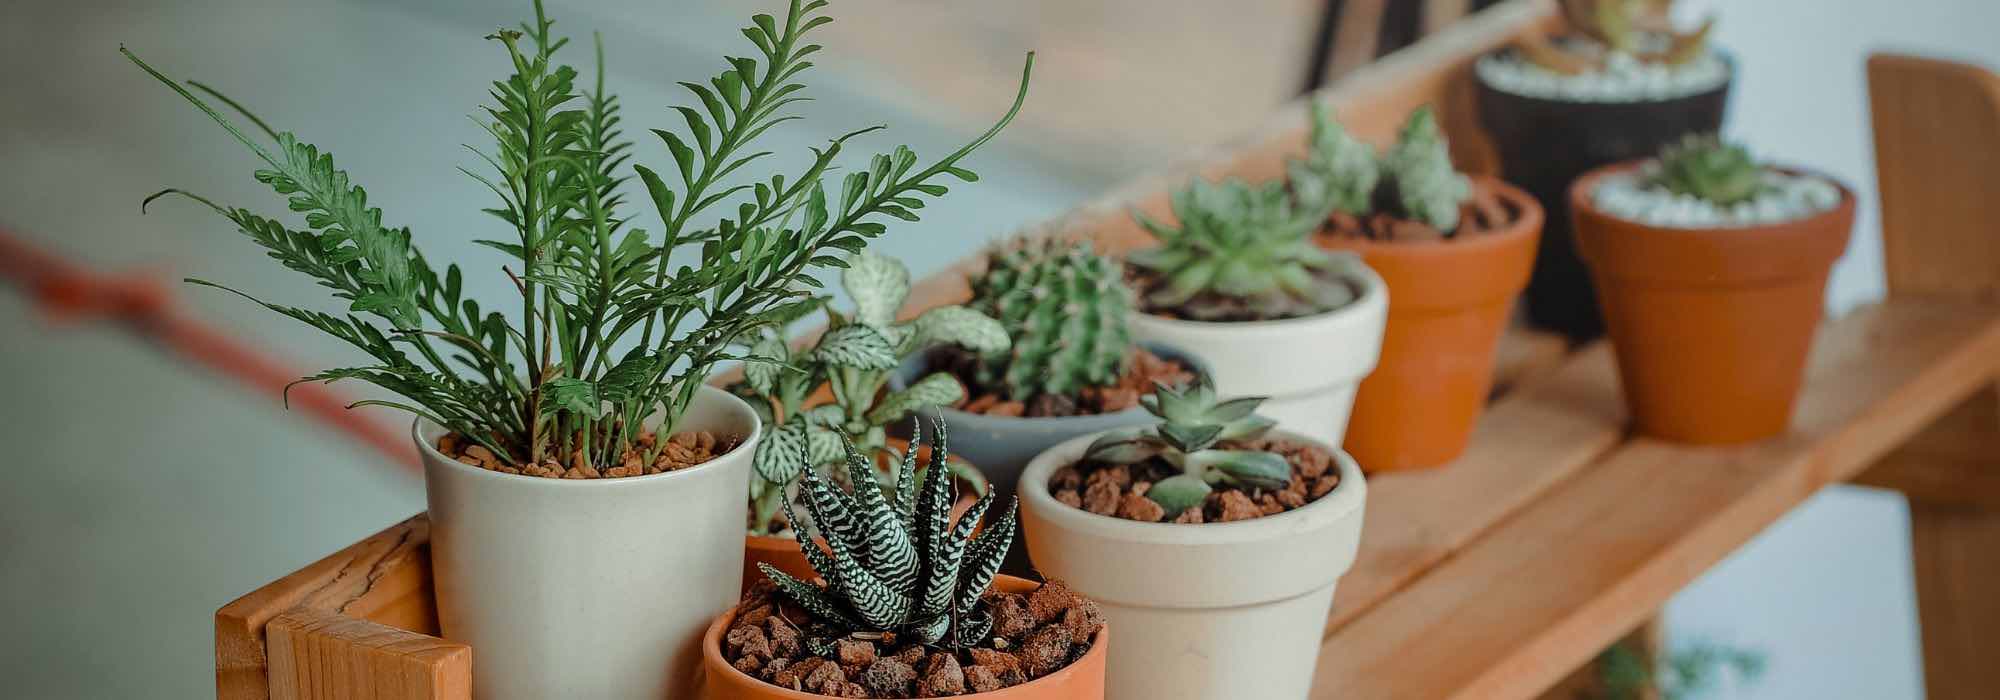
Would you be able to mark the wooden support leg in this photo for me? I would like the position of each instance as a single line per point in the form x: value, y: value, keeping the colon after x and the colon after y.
x: 1648, y: 640
x: 328, y: 656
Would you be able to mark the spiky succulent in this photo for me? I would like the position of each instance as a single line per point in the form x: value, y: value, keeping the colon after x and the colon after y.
x: 1706, y: 167
x: 1427, y: 188
x: 1192, y: 424
x: 1064, y: 308
x: 1339, y: 173
x: 896, y: 562
x: 1242, y: 249
x: 853, y: 358
x: 1641, y: 29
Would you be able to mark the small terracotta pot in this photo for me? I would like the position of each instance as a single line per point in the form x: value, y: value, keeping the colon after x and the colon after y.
x: 1081, y: 680
x: 1711, y: 326
x: 783, y: 551
x: 1449, y: 301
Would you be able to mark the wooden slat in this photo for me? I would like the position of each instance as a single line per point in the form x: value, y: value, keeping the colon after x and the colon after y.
x: 1937, y: 145
x: 323, y: 655
x: 1955, y: 461
x: 1955, y: 551
x: 1541, y: 593
x: 385, y: 579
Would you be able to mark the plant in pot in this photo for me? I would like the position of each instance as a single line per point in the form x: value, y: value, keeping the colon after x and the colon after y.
x: 1070, y: 369
x: 1713, y: 271
x: 1238, y: 284
x: 848, y: 365
x: 1619, y: 84
x: 1454, y: 252
x: 1212, y: 541
x: 909, y: 604
x: 597, y: 583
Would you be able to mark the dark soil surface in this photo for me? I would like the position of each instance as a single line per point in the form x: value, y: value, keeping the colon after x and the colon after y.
x: 1119, y: 490
x: 1484, y: 212
x: 683, y: 450
x: 1142, y: 369
x: 1033, y: 635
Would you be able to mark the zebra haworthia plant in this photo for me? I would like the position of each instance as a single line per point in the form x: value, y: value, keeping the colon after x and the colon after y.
x: 1193, y: 423
x: 854, y: 359
x: 896, y: 562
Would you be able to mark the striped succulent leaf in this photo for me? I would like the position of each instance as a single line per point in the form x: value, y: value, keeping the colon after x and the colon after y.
x: 982, y: 560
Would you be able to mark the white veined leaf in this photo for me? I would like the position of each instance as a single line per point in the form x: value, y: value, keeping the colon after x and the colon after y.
x: 878, y: 284
x: 938, y: 389
x: 782, y: 454
x: 763, y: 376
x: 856, y: 347
x: 961, y: 326
x: 824, y: 446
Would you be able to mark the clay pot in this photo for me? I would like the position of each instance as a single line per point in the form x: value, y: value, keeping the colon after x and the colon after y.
x: 1309, y: 367
x: 1219, y: 610
x: 1711, y: 326
x: 568, y: 588
x: 1545, y: 144
x: 1081, y: 680
x: 1450, y: 300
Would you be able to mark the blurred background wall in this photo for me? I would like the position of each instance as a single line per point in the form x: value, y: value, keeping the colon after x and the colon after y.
x: 142, y: 494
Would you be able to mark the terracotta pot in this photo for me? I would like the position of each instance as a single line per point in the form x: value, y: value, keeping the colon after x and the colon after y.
x: 783, y: 551
x: 568, y: 588
x: 1081, y: 680
x: 1711, y: 326
x: 1449, y: 303
x: 1545, y: 144
x: 1309, y: 367
x: 1203, y: 612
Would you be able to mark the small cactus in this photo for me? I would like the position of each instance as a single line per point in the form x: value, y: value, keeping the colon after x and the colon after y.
x: 1339, y: 173
x: 1192, y: 422
x: 1064, y: 308
x: 1413, y: 180
x: 895, y: 562
x: 1240, y: 246
x: 1419, y: 166
x: 1706, y: 167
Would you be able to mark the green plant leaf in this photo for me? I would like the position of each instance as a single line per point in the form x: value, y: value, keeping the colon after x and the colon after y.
x: 938, y: 389
x: 960, y: 326
x: 1251, y: 468
x: 856, y: 347
x: 878, y: 285
x: 1178, y: 493
x: 783, y: 453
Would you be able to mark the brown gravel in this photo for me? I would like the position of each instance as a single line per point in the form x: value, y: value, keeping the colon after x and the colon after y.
x: 1119, y: 490
x: 1034, y: 635
x: 683, y: 450
x: 1484, y: 212
x: 1142, y: 369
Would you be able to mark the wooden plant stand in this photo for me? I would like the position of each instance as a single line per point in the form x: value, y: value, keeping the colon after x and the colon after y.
x: 1557, y: 532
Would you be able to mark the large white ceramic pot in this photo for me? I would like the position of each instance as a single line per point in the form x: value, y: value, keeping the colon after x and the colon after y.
x: 590, y: 588
x: 1204, y: 612
x: 1309, y: 366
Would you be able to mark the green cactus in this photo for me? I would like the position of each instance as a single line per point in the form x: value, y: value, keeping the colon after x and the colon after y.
x: 1240, y: 247
x: 1064, y: 308
x: 1705, y: 167
x: 1419, y: 166
x: 895, y: 561
x: 1339, y: 173
x: 1192, y: 422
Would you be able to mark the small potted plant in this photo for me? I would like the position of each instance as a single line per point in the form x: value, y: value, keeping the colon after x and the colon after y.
x: 1454, y: 251
x: 586, y: 487
x: 1620, y: 84
x: 1069, y: 369
x: 909, y: 605
x: 1212, y: 541
x: 848, y: 365
x: 1238, y: 284
x: 1713, y: 269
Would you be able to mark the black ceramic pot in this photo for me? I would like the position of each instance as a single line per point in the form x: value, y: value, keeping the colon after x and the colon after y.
x: 1545, y: 144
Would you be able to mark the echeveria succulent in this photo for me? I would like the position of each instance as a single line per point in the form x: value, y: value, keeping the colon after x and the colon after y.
x: 1706, y: 167
x: 1193, y: 421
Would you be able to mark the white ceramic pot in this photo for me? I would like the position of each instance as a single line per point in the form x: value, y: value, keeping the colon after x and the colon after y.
x: 590, y: 588
x: 1309, y: 366
x: 1203, y: 612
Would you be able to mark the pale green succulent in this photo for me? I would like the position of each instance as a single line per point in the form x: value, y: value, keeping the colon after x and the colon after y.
x: 1240, y: 247
x: 1064, y: 307
x: 1192, y: 422
x: 854, y: 358
x: 1427, y: 188
x: 1705, y: 167
x: 1339, y: 173
x: 894, y: 561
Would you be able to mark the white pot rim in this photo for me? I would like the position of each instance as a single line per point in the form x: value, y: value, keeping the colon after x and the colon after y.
x: 1336, y: 505
x: 425, y: 433
x: 1374, y: 292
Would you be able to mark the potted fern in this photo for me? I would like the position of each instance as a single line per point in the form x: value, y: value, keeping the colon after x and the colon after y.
x: 1212, y: 541
x: 1713, y: 268
x: 1454, y: 250
x: 833, y: 392
x: 908, y: 603
x: 1070, y: 368
x: 586, y: 486
x: 1238, y: 284
x: 1619, y: 84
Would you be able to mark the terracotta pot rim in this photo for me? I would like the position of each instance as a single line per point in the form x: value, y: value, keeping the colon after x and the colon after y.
x: 425, y: 433
x: 711, y: 652
x: 1527, y: 223
x: 1373, y: 291
x: 1728, y: 61
x: 1582, y: 203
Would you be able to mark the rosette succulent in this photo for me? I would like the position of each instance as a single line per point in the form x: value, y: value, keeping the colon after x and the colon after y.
x: 1706, y: 167
x: 1063, y: 307
x: 1239, y: 252
x: 1193, y: 424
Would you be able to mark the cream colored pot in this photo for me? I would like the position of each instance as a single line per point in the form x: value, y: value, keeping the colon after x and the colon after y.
x: 1309, y: 366
x: 1203, y: 612
x: 595, y: 588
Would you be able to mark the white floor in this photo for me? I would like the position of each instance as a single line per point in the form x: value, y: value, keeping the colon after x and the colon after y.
x: 145, y: 494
